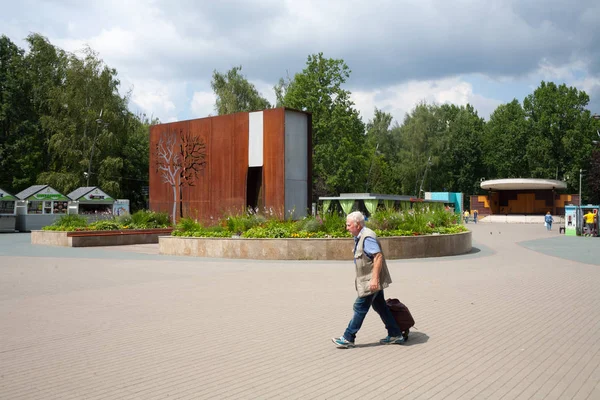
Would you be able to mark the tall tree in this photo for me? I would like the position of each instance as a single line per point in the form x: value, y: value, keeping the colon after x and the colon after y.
x: 505, y: 142
x: 422, y: 138
x: 558, y: 130
x: 463, y: 151
x: 235, y: 94
x: 382, y: 148
x: 339, y: 155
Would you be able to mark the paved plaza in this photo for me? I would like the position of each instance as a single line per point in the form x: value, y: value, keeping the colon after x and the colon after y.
x: 517, y: 318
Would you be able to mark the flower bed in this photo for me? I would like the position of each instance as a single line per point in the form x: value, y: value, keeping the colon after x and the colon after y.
x: 313, y: 249
x: 409, y: 234
x: 74, y: 230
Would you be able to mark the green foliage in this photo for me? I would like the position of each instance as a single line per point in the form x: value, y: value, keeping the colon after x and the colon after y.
x: 189, y: 225
x: 235, y: 94
x: 105, y: 225
x: 414, y: 221
x: 386, y: 223
x: 504, y: 144
x: 241, y: 223
x: 144, y: 219
x: 68, y: 222
x: 61, y: 115
x: 334, y: 224
x: 139, y: 220
x: 339, y: 153
x: 593, y: 178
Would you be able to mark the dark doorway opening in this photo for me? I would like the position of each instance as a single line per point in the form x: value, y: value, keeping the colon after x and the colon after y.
x: 254, y: 187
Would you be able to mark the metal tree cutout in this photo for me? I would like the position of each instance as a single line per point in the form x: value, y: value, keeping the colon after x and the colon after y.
x: 193, y: 161
x: 168, y: 162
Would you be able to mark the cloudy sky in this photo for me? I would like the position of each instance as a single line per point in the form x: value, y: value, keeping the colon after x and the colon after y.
x: 483, y: 52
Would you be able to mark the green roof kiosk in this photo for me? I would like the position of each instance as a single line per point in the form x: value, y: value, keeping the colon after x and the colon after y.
x: 91, y: 200
x: 8, y: 211
x: 38, y: 206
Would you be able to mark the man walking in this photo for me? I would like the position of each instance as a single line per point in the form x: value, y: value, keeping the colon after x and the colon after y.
x: 372, y: 276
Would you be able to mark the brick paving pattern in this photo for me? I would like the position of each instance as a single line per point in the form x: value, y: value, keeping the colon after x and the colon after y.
x: 504, y: 322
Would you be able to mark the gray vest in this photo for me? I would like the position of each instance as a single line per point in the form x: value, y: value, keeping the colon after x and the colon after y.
x: 364, y: 266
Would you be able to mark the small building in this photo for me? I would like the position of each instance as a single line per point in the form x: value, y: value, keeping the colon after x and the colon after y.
x: 38, y: 206
x: 91, y: 200
x: 8, y: 211
x: 368, y: 203
x: 452, y: 199
x: 522, y: 197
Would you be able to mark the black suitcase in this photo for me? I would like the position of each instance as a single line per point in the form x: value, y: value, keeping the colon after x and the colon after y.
x: 402, y: 315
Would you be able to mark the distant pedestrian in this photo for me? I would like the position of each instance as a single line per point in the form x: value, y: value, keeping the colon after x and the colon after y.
x: 548, y: 220
x: 466, y: 215
x: 475, y: 214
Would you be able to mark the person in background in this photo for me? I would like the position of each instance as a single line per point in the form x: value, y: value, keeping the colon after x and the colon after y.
x: 466, y: 215
x: 589, y: 222
x: 548, y: 220
x: 475, y: 215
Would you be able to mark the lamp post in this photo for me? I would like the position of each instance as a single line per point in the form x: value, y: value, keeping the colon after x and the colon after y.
x: 99, y: 121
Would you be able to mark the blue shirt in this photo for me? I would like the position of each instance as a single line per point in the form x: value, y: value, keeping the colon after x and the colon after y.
x: 370, y: 245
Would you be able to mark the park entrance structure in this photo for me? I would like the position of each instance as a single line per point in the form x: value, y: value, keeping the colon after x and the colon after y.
x: 522, y: 197
x: 205, y: 168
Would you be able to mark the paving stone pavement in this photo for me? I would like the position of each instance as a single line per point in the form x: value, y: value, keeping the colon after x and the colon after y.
x: 517, y: 318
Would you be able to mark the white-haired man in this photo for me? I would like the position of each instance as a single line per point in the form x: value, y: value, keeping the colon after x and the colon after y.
x: 372, y: 276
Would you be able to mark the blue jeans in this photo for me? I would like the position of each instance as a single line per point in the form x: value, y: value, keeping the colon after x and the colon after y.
x: 361, y: 307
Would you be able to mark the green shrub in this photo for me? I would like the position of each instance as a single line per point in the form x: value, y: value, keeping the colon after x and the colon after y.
x: 145, y: 219
x: 334, y: 223
x: 419, y: 221
x: 105, y: 225
x: 189, y: 225
x: 68, y: 222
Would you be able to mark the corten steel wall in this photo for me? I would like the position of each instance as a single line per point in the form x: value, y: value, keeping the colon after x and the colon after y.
x: 274, y: 160
x: 221, y: 185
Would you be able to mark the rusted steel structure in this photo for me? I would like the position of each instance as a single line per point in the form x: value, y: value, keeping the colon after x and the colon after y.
x: 207, y: 167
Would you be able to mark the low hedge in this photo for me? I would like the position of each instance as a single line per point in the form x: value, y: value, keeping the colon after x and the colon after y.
x: 139, y: 220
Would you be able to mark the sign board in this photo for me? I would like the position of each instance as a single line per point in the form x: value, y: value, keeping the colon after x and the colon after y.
x: 121, y: 207
x: 96, y: 196
x: 570, y: 221
x: 48, y: 194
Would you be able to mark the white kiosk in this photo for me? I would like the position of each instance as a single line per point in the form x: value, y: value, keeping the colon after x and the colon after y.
x: 92, y: 201
x: 8, y: 211
x: 39, y: 206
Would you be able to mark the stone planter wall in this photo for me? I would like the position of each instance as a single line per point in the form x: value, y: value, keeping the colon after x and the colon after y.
x: 313, y: 249
x: 97, y: 238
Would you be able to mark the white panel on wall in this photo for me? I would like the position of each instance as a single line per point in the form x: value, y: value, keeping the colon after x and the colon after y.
x: 296, y: 163
x: 255, y: 139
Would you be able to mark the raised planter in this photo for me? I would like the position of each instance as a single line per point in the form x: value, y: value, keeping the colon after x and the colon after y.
x: 98, y: 238
x: 313, y: 249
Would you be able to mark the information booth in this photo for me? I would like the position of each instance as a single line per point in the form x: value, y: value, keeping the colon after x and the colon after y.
x: 589, y: 218
x: 8, y: 211
x: 39, y: 206
x: 581, y: 220
x: 91, y: 200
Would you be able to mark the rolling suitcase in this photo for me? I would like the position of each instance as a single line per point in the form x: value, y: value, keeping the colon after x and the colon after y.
x: 402, y: 316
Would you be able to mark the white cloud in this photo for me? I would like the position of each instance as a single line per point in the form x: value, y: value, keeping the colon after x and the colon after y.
x: 203, y: 104
x: 400, y: 52
x: 401, y: 99
x: 156, y: 98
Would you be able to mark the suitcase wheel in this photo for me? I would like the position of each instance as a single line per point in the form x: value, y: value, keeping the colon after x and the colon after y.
x: 405, y: 334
